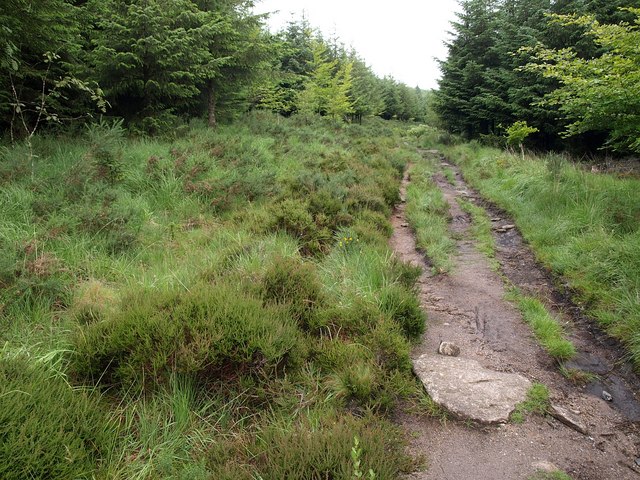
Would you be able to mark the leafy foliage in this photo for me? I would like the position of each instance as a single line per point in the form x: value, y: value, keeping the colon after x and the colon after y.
x: 601, y: 93
x: 570, y: 44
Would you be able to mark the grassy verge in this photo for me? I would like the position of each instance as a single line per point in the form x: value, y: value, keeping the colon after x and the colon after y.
x: 481, y: 231
x: 545, y: 327
x: 583, y: 226
x: 428, y: 214
x: 219, y: 305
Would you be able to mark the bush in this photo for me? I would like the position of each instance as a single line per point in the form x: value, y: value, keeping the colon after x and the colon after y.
x: 211, y: 334
x: 48, y: 429
x: 30, y: 275
x: 117, y: 222
x: 390, y: 348
x: 307, y: 452
x: 106, y: 140
x: 404, y: 308
x: 294, y: 284
x: 293, y: 217
x: 357, y: 318
x: 366, y: 197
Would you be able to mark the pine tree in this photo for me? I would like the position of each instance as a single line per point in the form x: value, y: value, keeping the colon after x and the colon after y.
x: 464, y: 86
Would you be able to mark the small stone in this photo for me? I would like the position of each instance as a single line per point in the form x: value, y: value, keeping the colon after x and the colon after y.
x: 449, y: 349
x: 638, y: 461
x: 509, y: 227
x: 570, y: 420
x: 607, y: 396
x: 405, y: 225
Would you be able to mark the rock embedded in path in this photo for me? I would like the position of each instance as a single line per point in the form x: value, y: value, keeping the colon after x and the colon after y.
x: 470, y: 391
x: 449, y: 349
x: 568, y: 418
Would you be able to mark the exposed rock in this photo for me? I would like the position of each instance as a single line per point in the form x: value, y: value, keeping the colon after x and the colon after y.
x: 449, y: 349
x: 569, y: 419
x: 607, y: 396
x: 503, y: 228
x: 470, y: 391
x: 405, y: 225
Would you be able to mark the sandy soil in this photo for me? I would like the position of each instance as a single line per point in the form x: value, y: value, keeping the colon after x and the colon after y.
x: 467, y: 306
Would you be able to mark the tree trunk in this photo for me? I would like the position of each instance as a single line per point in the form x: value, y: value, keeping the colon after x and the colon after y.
x: 212, y: 105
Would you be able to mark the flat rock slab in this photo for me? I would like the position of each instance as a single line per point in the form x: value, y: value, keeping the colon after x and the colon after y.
x: 470, y: 391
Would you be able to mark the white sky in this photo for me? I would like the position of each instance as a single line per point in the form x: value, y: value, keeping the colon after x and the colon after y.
x: 401, y: 38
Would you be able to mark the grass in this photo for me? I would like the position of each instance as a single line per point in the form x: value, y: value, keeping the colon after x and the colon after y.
x: 221, y: 305
x: 545, y: 327
x: 428, y: 214
x: 537, y: 402
x: 449, y: 175
x: 557, y: 475
x: 577, y: 376
x: 481, y: 231
x: 583, y: 226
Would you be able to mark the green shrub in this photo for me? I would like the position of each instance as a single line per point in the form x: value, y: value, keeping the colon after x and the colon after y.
x: 328, y: 211
x: 376, y: 221
x: 357, y: 381
x: 30, y: 274
x: 365, y: 197
x: 405, y: 273
x: 115, y: 221
x: 293, y: 217
x: 211, y: 333
x: 389, y: 346
x: 48, y: 429
x: 357, y: 318
x: 303, y: 451
x: 294, y: 284
x: 332, y: 354
x: 106, y: 140
x: 404, y: 308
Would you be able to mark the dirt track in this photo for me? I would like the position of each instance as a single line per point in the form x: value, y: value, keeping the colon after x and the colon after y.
x: 467, y: 306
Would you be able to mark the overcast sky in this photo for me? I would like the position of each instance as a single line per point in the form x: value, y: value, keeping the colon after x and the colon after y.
x: 395, y: 37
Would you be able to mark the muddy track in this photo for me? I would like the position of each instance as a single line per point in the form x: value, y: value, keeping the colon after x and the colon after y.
x: 467, y: 306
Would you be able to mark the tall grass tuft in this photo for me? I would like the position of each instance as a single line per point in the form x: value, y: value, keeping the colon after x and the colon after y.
x: 428, y: 215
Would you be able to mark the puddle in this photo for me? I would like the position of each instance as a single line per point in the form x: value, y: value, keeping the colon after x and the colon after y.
x: 625, y: 400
